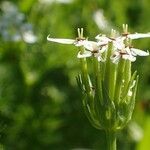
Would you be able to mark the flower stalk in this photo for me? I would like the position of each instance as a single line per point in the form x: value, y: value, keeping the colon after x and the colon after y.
x: 107, y: 84
x: 111, y: 140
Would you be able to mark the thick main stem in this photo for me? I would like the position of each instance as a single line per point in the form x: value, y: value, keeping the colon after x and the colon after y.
x: 111, y: 140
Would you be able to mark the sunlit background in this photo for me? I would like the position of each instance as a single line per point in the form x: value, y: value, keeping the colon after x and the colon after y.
x: 40, y: 103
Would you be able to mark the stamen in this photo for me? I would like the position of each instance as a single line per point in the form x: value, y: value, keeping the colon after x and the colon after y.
x: 80, y: 33
x: 113, y: 34
x: 125, y: 30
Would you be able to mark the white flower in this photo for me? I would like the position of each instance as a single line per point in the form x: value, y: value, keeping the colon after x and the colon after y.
x: 77, y: 42
x: 92, y: 49
x: 124, y: 54
x: 121, y: 46
x: 124, y: 50
x: 90, y: 54
x: 127, y: 53
x: 102, y: 40
x: 91, y: 45
x: 119, y: 41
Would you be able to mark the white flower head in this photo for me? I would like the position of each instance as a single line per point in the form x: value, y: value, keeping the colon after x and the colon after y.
x: 122, y: 48
x: 90, y: 54
x: 91, y: 49
x: 127, y: 53
x: 118, y: 54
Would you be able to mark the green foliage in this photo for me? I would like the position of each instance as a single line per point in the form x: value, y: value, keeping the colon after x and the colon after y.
x: 40, y: 104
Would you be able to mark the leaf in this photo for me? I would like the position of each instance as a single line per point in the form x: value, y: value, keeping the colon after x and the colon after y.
x: 80, y: 83
x: 125, y: 108
x: 125, y: 93
x: 108, y: 110
x: 90, y: 114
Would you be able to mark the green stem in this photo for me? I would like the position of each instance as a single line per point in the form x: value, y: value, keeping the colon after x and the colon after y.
x: 112, y: 80
x: 119, y: 80
x: 98, y: 78
x: 85, y: 75
x: 111, y: 140
x: 127, y: 74
x: 107, y: 67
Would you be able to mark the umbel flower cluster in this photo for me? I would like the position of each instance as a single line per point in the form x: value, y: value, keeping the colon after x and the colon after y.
x: 108, y: 86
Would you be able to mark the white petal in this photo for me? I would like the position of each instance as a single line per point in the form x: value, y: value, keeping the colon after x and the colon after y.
x: 132, y: 58
x: 127, y: 50
x: 99, y: 58
x: 101, y: 43
x: 84, y: 55
x: 120, y: 38
x: 125, y: 56
x: 138, y: 35
x: 99, y: 36
x: 115, y: 57
x: 119, y: 44
x: 62, y: 41
x: 96, y: 54
x: 102, y: 38
x: 103, y: 49
x: 91, y: 45
x: 79, y: 43
x: 129, y: 57
x: 139, y: 52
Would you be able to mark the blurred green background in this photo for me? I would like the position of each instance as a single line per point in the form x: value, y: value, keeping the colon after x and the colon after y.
x: 40, y: 103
